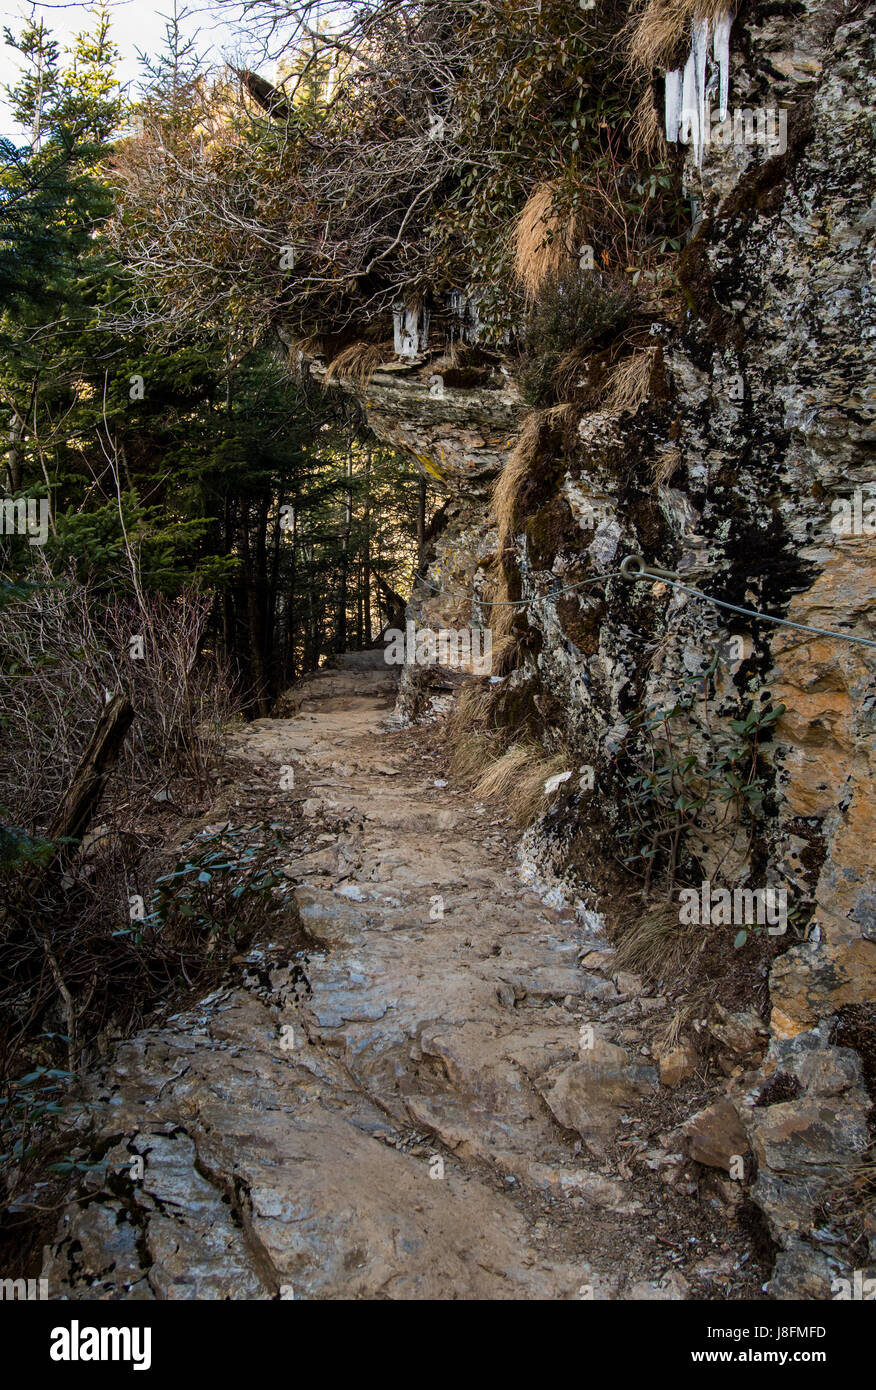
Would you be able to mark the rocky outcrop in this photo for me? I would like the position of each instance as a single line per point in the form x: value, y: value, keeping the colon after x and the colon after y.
x: 758, y: 427
x: 460, y: 434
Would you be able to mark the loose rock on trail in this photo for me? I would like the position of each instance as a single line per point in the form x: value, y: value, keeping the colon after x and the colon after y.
x: 424, y: 1095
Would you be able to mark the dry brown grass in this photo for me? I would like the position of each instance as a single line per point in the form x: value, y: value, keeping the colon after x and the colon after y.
x: 474, y: 743
x: 665, y: 465
x: 521, y: 463
x: 306, y: 347
x: 358, y: 362
x: 503, y: 618
x: 517, y: 779
x: 506, y: 644
x: 531, y: 444
x: 629, y: 383
x: 656, y: 944
x: 647, y: 141
x: 546, y: 244
x: 472, y: 709
x: 480, y: 759
x: 852, y: 1195
x: 670, y: 1037
x: 655, y: 32
x: 572, y: 372
x: 692, y: 1005
x: 472, y: 752
x: 518, y: 466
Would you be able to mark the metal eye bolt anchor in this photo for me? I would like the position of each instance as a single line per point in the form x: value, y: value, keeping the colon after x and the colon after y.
x: 636, y: 567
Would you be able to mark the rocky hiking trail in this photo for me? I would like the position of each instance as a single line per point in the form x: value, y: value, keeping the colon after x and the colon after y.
x: 385, y: 1100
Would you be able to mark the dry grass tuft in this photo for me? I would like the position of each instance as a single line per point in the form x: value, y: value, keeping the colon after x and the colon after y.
x: 851, y: 1197
x: 506, y: 644
x: 513, y: 775
x: 299, y: 351
x: 517, y: 779
x: 692, y: 1005
x: 658, y: 945
x: 358, y: 362
x: 473, y: 739
x: 518, y: 466
x: 503, y: 626
x: 531, y: 444
x: 655, y: 32
x: 546, y: 244
x: 521, y: 463
x: 473, y: 708
x: 647, y: 141
x: 665, y: 466
x: 629, y: 383
x: 472, y: 752
x: 572, y: 372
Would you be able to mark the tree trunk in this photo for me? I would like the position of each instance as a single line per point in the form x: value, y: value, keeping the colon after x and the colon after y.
x: 258, y: 683
x: 366, y: 556
x: 291, y: 622
x: 273, y: 582
x: 341, y: 625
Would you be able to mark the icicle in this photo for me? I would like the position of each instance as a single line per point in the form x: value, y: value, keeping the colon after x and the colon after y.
x: 410, y: 330
x: 468, y: 325
x: 397, y: 328
x: 409, y: 333
x: 474, y: 328
x: 692, y: 124
x: 699, y: 53
x: 721, y: 50
x: 673, y: 104
x: 688, y: 102
x: 464, y: 307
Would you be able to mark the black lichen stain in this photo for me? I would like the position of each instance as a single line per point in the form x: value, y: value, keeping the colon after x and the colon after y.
x: 547, y: 530
x: 581, y: 622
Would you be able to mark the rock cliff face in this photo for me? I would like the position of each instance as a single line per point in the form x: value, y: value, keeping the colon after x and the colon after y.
x: 759, y: 418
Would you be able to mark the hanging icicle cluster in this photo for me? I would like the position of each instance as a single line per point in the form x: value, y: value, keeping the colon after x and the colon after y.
x: 686, y: 89
x: 465, y: 320
x: 410, y: 325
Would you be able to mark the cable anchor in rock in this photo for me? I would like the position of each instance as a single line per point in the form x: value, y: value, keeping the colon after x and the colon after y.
x: 636, y: 567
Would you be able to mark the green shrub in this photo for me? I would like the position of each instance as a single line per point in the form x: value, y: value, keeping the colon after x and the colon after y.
x: 576, y: 311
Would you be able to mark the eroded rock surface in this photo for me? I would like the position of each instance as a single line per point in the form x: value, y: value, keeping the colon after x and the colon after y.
x: 376, y: 1114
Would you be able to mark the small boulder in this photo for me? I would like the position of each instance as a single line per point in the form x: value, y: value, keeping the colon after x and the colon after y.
x: 742, y: 1037
x: 715, y: 1136
x: 590, y: 1095
x: 628, y: 984
x: 677, y: 1064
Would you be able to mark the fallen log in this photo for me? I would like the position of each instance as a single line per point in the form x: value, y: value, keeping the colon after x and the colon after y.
x: 72, y: 818
x: 69, y: 824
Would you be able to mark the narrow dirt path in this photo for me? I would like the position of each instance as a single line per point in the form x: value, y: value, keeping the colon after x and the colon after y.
x: 407, y: 1108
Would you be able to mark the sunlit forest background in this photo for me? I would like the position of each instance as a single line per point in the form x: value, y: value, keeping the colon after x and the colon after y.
x: 216, y: 526
x: 173, y: 459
